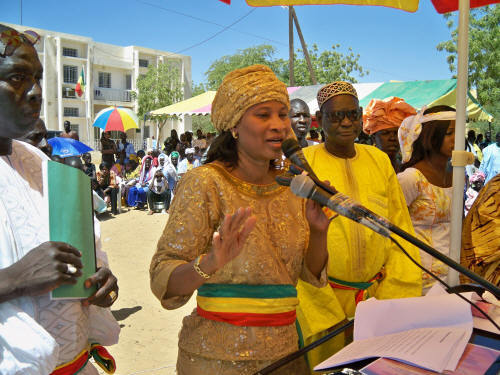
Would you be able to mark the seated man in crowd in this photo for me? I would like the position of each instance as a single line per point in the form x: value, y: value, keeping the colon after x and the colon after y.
x: 188, y: 163
x: 38, y: 334
x: 126, y: 146
x: 158, y: 192
x: 88, y: 166
x: 363, y: 264
x: 119, y: 167
x: 108, y: 186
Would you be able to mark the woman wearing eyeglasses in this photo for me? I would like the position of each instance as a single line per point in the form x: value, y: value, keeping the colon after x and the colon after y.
x: 366, y: 264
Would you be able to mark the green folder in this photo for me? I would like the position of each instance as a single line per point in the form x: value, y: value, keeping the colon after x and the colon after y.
x: 71, y: 220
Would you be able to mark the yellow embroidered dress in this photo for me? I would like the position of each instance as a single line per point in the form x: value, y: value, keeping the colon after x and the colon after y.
x: 273, y: 255
x: 356, y: 253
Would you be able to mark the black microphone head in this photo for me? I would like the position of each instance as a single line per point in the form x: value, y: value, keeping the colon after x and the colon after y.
x: 290, y: 146
x: 302, y: 186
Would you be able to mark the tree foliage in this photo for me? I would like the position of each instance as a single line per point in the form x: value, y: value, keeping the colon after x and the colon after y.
x: 328, y: 65
x: 484, y: 53
x: 262, y: 54
x: 159, y: 87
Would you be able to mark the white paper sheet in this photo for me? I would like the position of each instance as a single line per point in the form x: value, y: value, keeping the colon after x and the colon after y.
x: 430, y: 332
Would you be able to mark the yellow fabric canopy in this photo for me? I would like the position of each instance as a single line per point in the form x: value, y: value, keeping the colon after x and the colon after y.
x: 196, y: 103
x: 407, y: 5
x: 474, y: 110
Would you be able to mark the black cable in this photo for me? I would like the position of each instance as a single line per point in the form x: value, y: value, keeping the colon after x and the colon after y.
x: 217, y: 33
x: 442, y: 282
x: 210, y: 22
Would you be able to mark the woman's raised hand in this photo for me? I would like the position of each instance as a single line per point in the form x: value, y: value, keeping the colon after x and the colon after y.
x: 229, y: 240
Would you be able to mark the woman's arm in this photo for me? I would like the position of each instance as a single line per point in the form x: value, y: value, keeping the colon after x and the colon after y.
x: 317, y: 253
x: 235, y: 228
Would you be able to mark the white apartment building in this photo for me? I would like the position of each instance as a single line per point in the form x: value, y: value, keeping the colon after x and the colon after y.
x: 111, y: 73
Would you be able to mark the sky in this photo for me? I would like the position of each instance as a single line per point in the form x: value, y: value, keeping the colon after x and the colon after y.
x: 392, y: 44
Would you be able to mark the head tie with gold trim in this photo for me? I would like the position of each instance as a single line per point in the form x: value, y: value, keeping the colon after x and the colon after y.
x: 411, y: 127
x: 333, y: 89
x: 242, y: 89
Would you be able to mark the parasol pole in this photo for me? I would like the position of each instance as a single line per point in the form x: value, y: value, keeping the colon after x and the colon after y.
x: 304, y: 48
x: 290, y: 45
x: 457, y: 208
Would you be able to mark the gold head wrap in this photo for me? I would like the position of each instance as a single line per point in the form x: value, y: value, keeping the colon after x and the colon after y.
x: 385, y: 114
x: 334, y: 89
x: 243, y: 88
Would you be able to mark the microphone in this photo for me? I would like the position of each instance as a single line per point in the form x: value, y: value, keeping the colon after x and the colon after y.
x: 304, y: 187
x: 293, y: 152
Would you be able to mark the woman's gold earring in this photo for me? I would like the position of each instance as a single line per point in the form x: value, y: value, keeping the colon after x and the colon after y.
x: 234, y: 134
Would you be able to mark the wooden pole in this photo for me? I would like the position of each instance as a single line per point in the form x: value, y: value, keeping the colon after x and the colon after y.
x: 290, y: 45
x: 304, y: 48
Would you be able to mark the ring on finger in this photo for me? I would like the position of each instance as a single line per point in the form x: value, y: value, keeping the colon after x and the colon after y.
x: 70, y: 268
x: 113, y: 295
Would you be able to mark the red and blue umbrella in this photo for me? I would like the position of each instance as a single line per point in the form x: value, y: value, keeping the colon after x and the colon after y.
x: 116, y: 118
x: 66, y: 147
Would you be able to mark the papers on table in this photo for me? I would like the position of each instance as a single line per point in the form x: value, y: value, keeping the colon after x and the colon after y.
x: 430, y: 332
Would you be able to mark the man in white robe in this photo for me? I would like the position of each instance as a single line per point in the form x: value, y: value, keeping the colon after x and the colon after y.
x: 37, y: 334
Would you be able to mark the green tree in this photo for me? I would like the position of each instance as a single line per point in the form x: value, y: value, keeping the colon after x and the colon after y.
x: 262, y: 54
x: 328, y: 65
x: 159, y: 87
x: 484, y: 53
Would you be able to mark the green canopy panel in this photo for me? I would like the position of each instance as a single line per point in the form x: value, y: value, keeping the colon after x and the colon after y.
x: 429, y: 93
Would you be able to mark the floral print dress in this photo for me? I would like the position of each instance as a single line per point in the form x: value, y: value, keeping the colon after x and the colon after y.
x: 430, y: 211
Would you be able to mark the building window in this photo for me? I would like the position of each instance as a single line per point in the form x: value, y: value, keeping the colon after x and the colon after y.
x: 70, y: 74
x: 71, y: 52
x: 70, y: 112
x: 105, y: 80
x: 143, y: 63
x: 128, y: 82
x: 97, y: 132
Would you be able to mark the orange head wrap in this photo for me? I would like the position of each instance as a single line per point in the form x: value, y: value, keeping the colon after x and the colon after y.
x: 385, y: 114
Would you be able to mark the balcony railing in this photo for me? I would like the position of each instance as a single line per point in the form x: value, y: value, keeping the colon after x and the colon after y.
x: 138, y: 144
x: 114, y: 95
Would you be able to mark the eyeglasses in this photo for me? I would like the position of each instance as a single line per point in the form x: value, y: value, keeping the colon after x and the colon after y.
x: 11, y: 39
x: 338, y: 116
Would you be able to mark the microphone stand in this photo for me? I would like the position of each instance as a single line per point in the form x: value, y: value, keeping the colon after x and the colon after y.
x: 378, y: 221
x: 436, y: 254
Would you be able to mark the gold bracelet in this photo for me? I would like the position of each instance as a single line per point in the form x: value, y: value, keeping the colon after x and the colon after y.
x: 197, y: 268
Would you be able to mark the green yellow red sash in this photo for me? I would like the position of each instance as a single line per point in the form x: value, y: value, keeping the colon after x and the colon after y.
x: 101, y: 357
x: 248, y: 305
x: 361, y: 287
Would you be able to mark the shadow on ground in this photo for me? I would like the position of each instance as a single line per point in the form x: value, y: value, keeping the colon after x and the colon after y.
x: 125, y: 312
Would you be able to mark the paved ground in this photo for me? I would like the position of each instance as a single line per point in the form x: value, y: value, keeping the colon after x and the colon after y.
x: 148, y: 339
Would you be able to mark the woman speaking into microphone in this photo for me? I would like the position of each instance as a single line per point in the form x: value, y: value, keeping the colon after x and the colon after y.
x: 239, y: 239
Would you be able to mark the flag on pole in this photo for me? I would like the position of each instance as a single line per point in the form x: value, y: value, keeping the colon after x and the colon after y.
x: 80, y: 85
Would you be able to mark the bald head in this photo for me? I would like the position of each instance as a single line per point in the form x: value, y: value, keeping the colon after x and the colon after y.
x: 300, y: 118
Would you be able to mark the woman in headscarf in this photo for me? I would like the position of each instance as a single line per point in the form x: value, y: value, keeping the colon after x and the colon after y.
x: 427, y: 141
x: 381, y: 120
x: 137, y: 195
x: 229, y: 237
